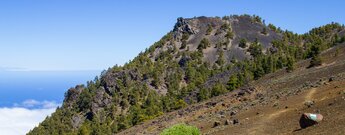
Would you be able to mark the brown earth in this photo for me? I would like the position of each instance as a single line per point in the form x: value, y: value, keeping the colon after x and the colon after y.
x: 270, y: 105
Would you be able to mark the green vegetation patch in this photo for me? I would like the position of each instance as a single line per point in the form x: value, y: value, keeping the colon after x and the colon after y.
x: 181, y: 129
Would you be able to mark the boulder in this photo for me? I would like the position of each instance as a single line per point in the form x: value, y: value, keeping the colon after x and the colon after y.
x: 309, y: 119
x: 275, y: 104
x: 233, y: 113
x: 309, y: 103
x: 331, y: 79
x: 211, y: 104
x: 77, y: 120
x: 228, y: 122
x: 235, y: 121
x: 216, y: 124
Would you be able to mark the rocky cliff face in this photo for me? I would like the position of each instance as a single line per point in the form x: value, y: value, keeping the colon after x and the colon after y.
x: 216, y: 30
x: 200, y: 58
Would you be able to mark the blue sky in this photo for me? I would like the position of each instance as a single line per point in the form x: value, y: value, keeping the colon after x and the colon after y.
x: 48, y: 46
x: 94, y: 35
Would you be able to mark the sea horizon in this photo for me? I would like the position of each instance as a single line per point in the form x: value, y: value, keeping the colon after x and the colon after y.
x: 18, y: 87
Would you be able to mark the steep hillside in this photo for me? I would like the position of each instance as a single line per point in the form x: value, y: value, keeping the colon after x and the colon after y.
x: 274, y: 104
x: 199, y: 59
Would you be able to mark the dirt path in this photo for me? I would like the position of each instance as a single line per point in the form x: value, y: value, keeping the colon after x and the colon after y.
x: 265, y: 122
x: 310, y: 94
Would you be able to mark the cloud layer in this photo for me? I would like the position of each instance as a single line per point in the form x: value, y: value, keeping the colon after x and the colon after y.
x: 34, y: 104
x: 23, y: 117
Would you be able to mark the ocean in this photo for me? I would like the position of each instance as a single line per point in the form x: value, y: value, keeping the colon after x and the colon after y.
x: 17, y: 87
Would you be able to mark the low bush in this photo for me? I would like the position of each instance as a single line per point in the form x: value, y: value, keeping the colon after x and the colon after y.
x: 181, y: 129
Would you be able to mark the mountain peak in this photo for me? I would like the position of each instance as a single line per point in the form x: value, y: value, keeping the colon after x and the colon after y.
x: 183, y: 26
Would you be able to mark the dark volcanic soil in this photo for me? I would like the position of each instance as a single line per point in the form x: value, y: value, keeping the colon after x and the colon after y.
x: 271, y: 105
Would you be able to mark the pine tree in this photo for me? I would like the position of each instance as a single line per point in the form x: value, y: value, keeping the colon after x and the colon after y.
x: 264, y: 31
x: 203, y: 94
x: 184, y: 39
x: 314, y: 51
x: 255, y: 49
x: 218, y: 89
x: 243, y: 43
x: 229, y: 34
x: 85, y: 128
x: 233, y: 83
x: 204, y: 44
x: 209, y: 29
x: 259, y: 72
x: 220, y: 61
x: 290, y: 64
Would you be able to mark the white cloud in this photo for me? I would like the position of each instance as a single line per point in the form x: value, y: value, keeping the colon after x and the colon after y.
x: 31, y: 103
x: 19, y: 120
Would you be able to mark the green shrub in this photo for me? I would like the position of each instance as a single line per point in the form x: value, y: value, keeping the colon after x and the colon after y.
x: 243, y: 43
x: 184, y: 39
x: 181, y: 129
x: 233, y: 83
x: 209, y: 29
x: 229, y: 34
x: 264, y: 31
x: 204, y: 43
x: 218, y: 89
